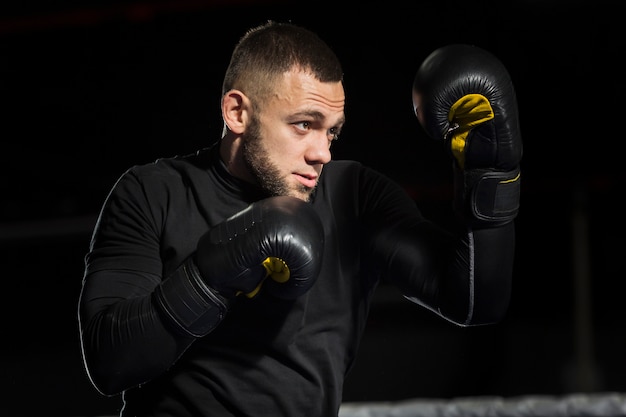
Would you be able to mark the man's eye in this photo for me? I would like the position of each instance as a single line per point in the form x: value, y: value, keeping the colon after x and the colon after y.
x: 303, y: 125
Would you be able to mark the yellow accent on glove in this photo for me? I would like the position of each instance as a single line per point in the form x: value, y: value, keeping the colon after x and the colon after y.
x: 275, y: 268
x: 517, y: 177
x: 468, y: 112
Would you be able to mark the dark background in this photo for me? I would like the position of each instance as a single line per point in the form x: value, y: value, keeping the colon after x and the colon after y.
x: 89, y: 88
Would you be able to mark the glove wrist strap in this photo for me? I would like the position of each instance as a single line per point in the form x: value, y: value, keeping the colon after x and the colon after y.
x: 486, y: 197
x: 190, y: 304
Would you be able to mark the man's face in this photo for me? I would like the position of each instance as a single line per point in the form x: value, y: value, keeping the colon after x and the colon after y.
x: 286, y: 145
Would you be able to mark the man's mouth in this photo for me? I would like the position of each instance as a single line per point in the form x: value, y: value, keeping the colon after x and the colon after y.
x: 307, y: 180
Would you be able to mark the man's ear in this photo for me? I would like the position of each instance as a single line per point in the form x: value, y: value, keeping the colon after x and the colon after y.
x: 235, y: 107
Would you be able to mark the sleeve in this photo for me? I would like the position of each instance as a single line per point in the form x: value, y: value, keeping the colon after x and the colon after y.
x: 462, y: 275
x: 124, y: 339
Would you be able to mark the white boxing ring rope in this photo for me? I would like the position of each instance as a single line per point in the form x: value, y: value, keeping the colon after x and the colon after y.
x: 607, y: 404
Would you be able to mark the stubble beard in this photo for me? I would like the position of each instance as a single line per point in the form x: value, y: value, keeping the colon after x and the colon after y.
x: 257, y: 159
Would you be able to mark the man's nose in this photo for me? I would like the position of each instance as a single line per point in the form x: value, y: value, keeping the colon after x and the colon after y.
x: 319, y: 149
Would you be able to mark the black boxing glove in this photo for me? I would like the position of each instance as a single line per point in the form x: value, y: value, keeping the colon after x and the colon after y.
x: 280, y: 238
x: 464, y: 96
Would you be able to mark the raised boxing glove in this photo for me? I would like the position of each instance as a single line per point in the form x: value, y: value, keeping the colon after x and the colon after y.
x: 279, y: 237
x: 274, y: 245
x: 464, y: 96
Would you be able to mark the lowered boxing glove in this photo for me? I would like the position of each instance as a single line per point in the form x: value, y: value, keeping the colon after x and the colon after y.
x: 274, y: 245
x: 464, y: 96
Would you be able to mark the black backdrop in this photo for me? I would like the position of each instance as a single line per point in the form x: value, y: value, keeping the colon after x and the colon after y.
x: 89, y: 88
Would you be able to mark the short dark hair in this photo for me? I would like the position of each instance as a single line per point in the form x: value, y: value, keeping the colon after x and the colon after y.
x: 267, y: 51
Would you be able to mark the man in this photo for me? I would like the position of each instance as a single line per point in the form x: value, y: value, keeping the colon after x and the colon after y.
x: 236, y: 281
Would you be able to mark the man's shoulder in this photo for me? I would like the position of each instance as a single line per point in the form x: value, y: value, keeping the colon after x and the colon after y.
x: 177, y: 165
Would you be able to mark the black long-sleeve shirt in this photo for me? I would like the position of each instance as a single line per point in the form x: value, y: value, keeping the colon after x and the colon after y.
x: 268, y: 356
